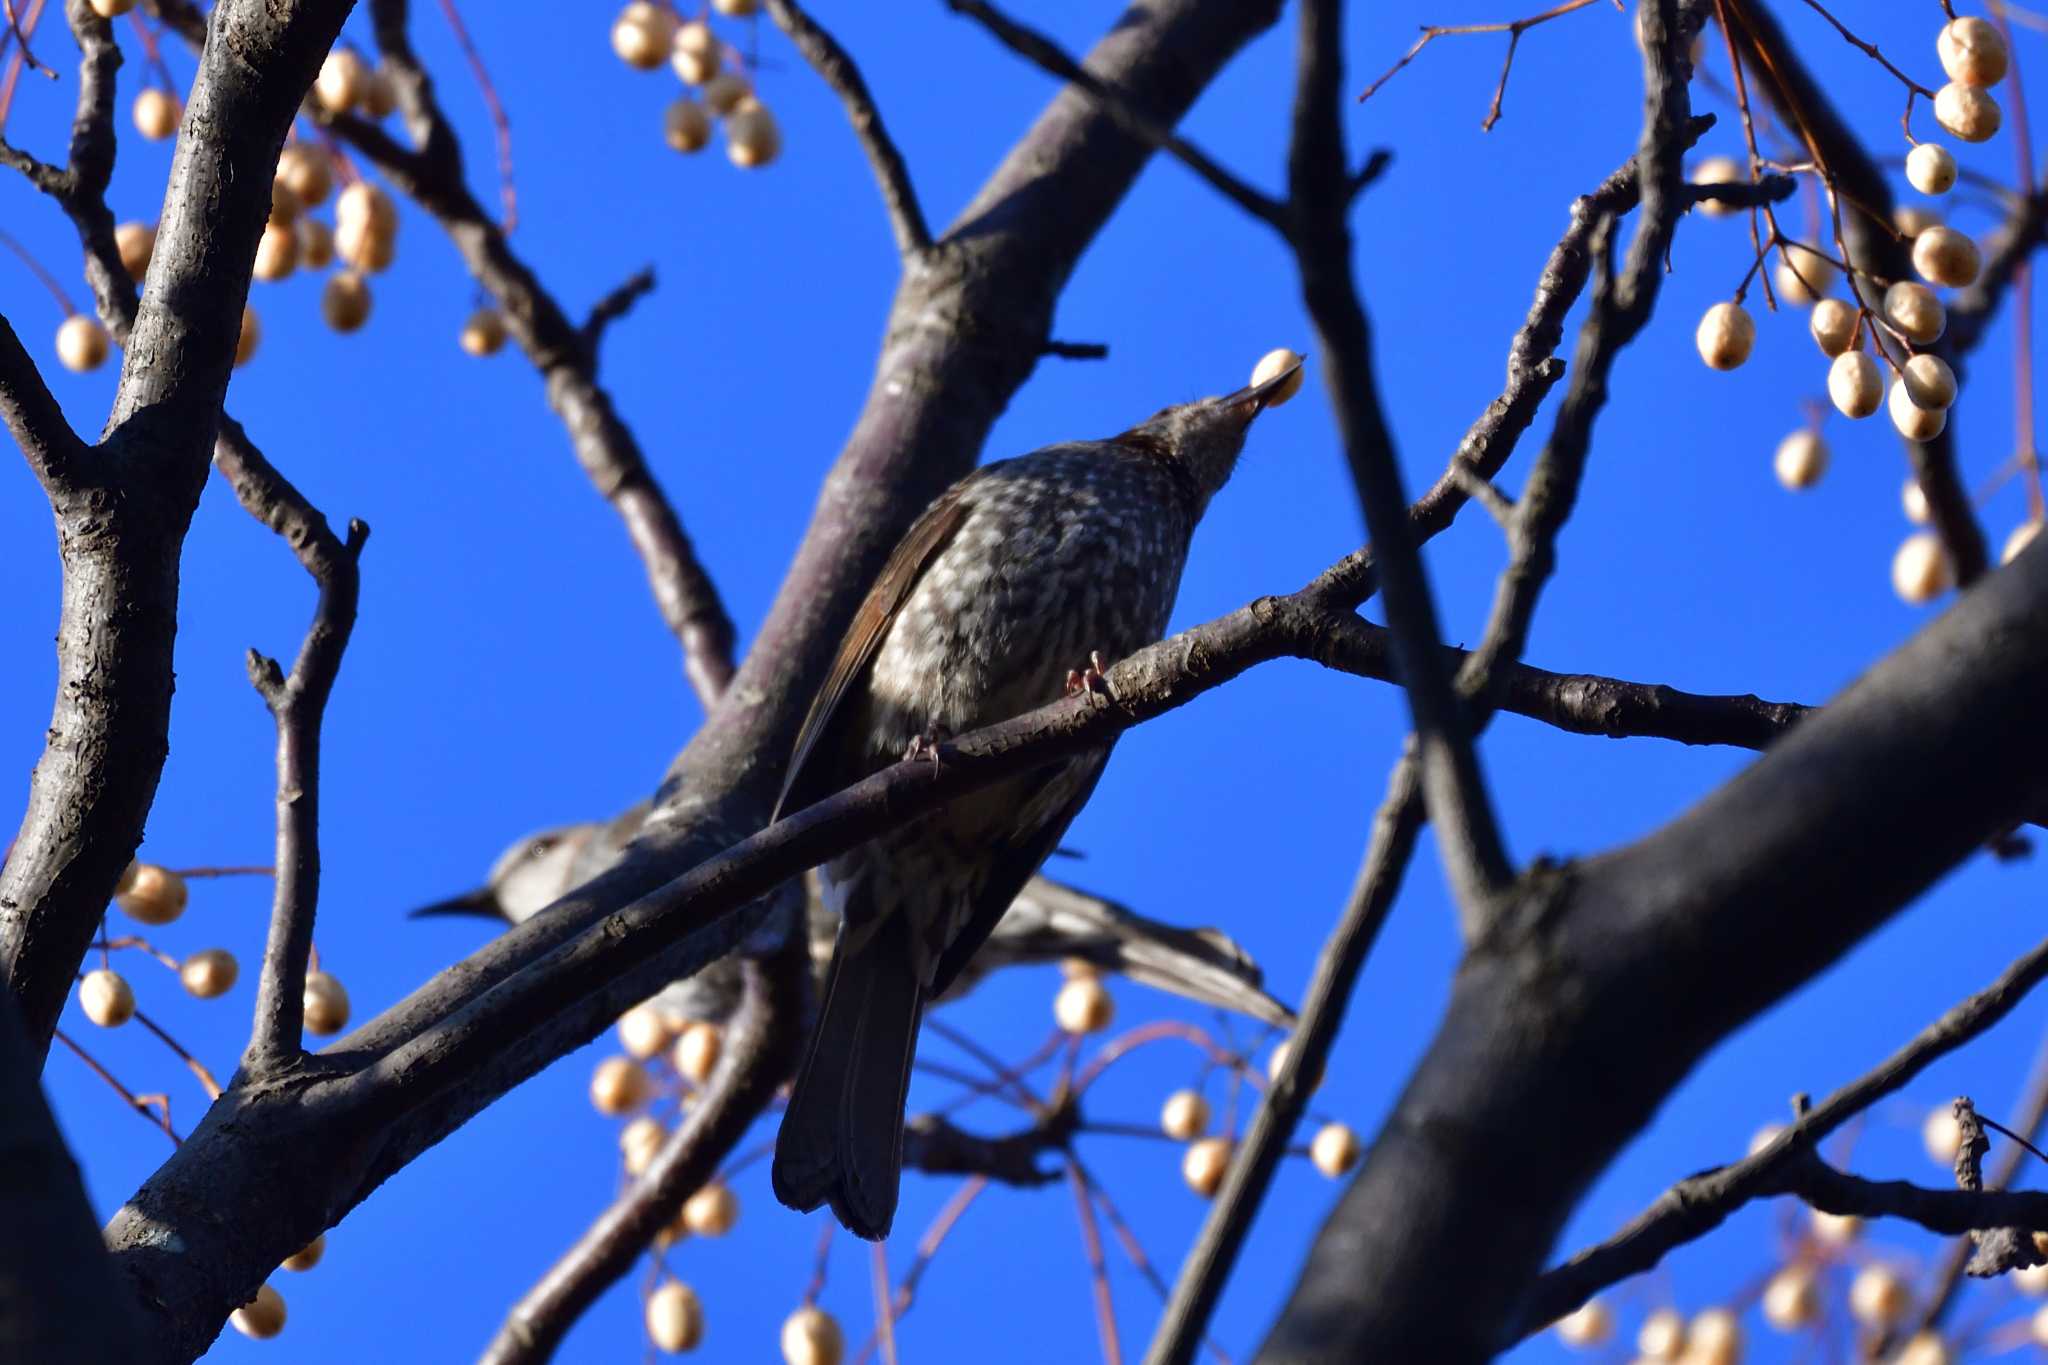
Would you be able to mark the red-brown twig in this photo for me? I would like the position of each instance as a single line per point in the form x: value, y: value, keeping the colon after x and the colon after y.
x: 927, y: 1247
x: 190, y: 872
x: 2028, y: 457
x: 885, y: 1320
x: 139, y: 1104
x: 1098, y: 1271
x: 501, y: 124
x: 35, y: 266
x: 197, y: 1067
x: 1514, y: 28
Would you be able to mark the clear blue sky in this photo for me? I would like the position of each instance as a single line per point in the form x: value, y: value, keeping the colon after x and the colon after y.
x: 509, y: 670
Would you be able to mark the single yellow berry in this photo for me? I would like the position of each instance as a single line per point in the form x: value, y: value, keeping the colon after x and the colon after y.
x: 285, y: 204
x: 1916, y: 312
x: 1204, y: 1163
x: 261, y: 1317
x: 642, y: 33
x: 723, y: 93
x: 1803, y: 275
x: 277, y: 252
x: 1713, y: 1338
x: 1855, y: 384
x: 339, y: 86
x: 345, y: 301
x: 1833, y: 324
x: 1967, y: 111
x: 1801, y: 459
x: 1185, y: 1115
x: 696, y: 53
x: 1941, y: 1135
x: 736, y: 9
x: 811, y: 1336
x: 1836, y: 1229
x: 1764, y: 1137
x: 1912, y: 219
x: 1878, y: 1297
x: 643, y: 1030
x: 1914, y: 502
x: 136, y: 242
x: 1791, y: 1299
x: 1920, y: 573
x: 316, y: 243
x: 1591, y: 1324
x: 156, y: 113
x: 209, y: 973
x: 1271, y: 364
x: 1276, y: 1061
x: 157, y: 895
x: 305, y: 168
x: 2022, y: 536
x: 1930, y: 169
x: 1914, y: 422
x: 1972, y: 51
x: 675, y: 1319
x: 752, y: 139
x: 1725, y: 336
x: 1924, y: 1348
x: 1946, y: 257
x: 696, y: 1051
x: 81, y: 343
x: 112, y: 9
x: 326, y: 1004
x: 712, y: 1211
x: 106, y: 998
x: 307, y: 1256
x: 2033, y: 1281
x: 363, y: 202
x: 363, y: 245
x: 380, y: 96
x: 1084, y: 1006
x: 620, y: 1085
x: 686, y: 127
x: 1335, y: 1149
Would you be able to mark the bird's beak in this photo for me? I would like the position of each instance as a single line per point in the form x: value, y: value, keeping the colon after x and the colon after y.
x: 1254, y: 398
x: 480, y: 903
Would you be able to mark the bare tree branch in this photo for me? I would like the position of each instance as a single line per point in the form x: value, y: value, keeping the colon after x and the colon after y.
x: 892, y: 176
x: 1699, y: 1204
x: 614, y: 306
x: 55, y: 454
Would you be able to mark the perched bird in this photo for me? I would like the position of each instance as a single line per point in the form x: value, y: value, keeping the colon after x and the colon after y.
x: 997, y: 600
x: 1048, y: 922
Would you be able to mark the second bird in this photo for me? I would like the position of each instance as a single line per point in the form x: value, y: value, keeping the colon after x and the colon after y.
x: 1009, y: 583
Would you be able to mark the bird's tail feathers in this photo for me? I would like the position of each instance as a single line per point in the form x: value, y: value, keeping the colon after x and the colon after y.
x: 842, y: 1136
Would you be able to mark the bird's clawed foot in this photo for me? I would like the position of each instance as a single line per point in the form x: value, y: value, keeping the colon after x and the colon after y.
x: 1090, y: 679
x: 924, y: 747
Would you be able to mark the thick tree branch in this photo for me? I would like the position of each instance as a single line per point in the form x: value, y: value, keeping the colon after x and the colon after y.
x: 1697, y: 1205
x: 604, y: 446
x: 892, y: 176
x: 119, y: 542
x: 762, y: 1043
x: 32, y: 416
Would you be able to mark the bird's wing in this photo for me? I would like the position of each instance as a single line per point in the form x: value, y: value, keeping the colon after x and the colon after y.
x: 927, y: 536
x: 1013, y: 860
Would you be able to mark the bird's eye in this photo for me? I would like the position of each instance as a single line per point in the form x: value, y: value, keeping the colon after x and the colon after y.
x: 539, y: 847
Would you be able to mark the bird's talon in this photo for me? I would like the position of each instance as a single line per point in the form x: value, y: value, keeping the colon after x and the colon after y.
x: 1090, y: 679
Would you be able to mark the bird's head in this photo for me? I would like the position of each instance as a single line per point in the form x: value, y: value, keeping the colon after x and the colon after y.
x: 527, y: 877
x: 1204, y: 437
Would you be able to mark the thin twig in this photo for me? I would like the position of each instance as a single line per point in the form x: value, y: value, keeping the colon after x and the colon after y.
x: 1098, y: 1268
x: 501, y: 124
x: 1514, y: 28
x: 161, y: 1120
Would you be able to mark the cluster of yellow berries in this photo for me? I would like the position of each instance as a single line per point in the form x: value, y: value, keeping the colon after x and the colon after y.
x: 1185, y: 1117
x: 647, y: 34
x: 1923, y: 387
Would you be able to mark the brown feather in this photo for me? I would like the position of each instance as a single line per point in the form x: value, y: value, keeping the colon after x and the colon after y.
x: 927, y: 536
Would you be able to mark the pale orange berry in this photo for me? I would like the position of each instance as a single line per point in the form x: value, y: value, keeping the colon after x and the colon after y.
x: 339, y: 86
x: 112, y: 9
x: 326, y: 1004
x: 1276, y: 1061
x: 285, y: 204
x: 639, y: 1142
x: 1914, y: 502
x: 1836, y: 1229
x: 1915, y: 311
x: 1921, y: 573
x: 696, y: 53
x: 2032, y: 1281
x: 1204, y: 1164
x: 1791, y: 1299
x: 811, y: 1336
x: 697, y: 1050
x: 316, y: 243
x: 345, y: 301
x: 307, y: 1256
x: 1801, y: 459
x: 620, y: 1085
x: 1972, y: 51
x: 1946, y: 257
x: 675, y: 1319
x: 156, y: 114
x: 1929, y: 382
x: 1878, y: 1297
x: 363, y: 245
x: 363, y: 202
x: 1833, y: 324
x: 1084, y: 1006
x: 157, y: 895
x: 642, y: 33
x: 81, y: 343
x: 106, y: 997
x: 1714, y: 1337
x: 712, y: 1211
x: 2022, y: 536
x: 306, y: 170
x: 1968, y: 111
x: 752, y: 138
x: 643, y: 1030
x: 1185, y: 1115
x: 261, y: 1317
x: 277, y: 252
x: 1271, y: 364
x: 1725, y: 335
x: 209, y: 973
x: 380, y: 96
x: 1590, y: 1324
x: 736, y: 9
x: 1335, y: 1149
x: 1941, y: 1135
x: 1924, y: 1348
x: 1855, y: 384
x: 1718, y: 170
x: 136, y: 243
x: 685, y: 126
x: 1803, y: 275
x: 1914, y: 422
x: 723, y: 93
x: 1662, y: 1336
x: 1931, y: 169
x: 1764, y: 1137
x: 1913, y: 219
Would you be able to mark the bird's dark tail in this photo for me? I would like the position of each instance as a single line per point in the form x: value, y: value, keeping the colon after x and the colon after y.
x: 842, y: 1135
